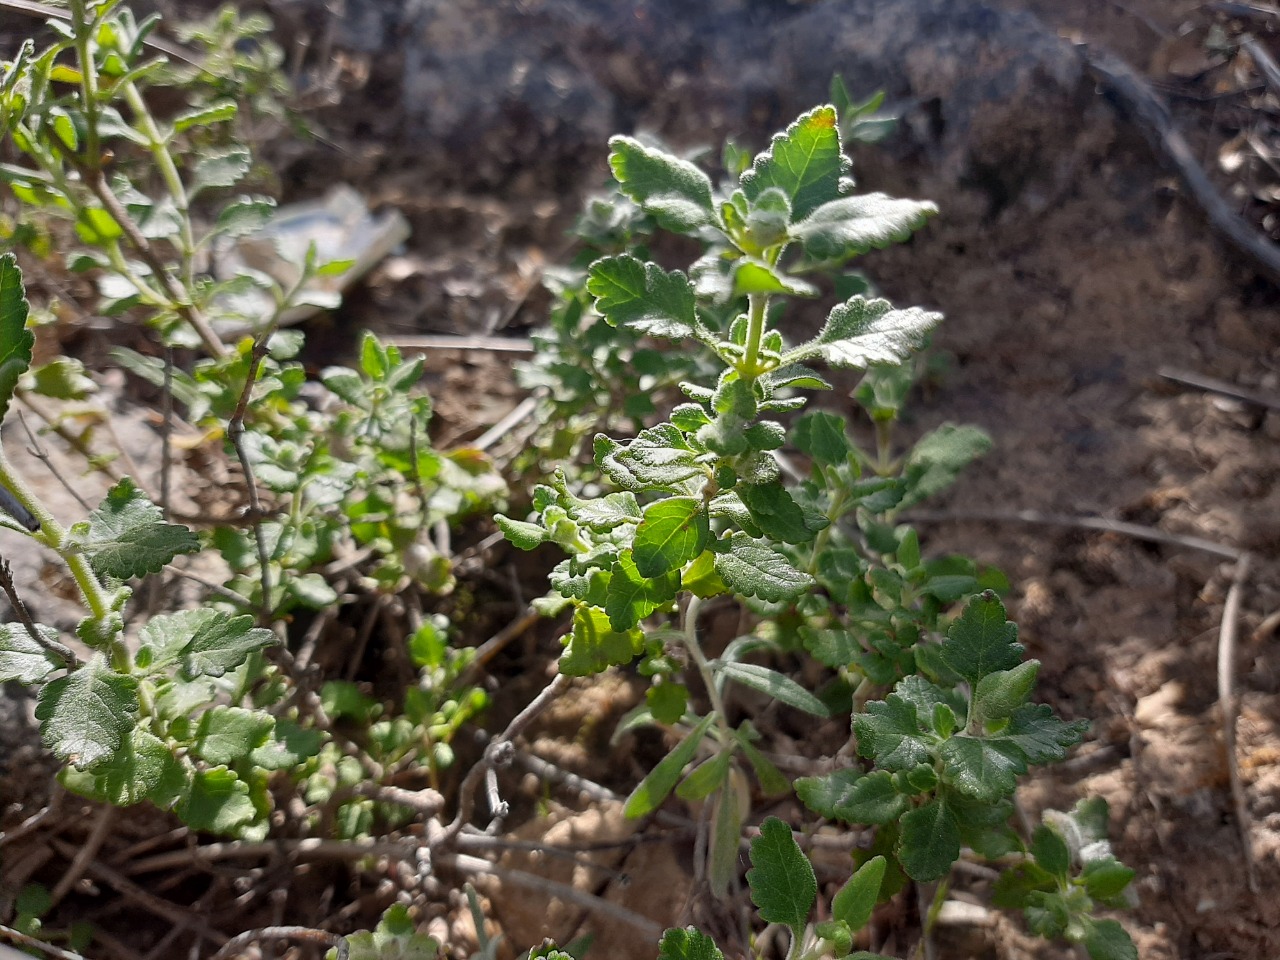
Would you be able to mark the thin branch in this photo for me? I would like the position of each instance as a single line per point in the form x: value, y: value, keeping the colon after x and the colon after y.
x: 39, y: 452
x: 1213, y: 385
x: 495, y: 644
x: 500, y: 751
x: 561, y: 891
x: 85, y: 854
x: 1035, y: 518
x: 235, y: 433
x: 166, y: 432
x: 305, y: 934
x: 1227, y: 704
x: 22, y: 940
x: 61, y: 651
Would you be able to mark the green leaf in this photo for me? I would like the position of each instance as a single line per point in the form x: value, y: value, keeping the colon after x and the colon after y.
x: 217, y: 112
x: 630, y: 597
x: 687, y: 944
x: 889, y: 732
x: 1107, y: 940
x: 653, y: 789
x: 1041, y: 736
x: 16, y: 341
x: 850, y: 226
x: 21, y: 658
x: 707, y: 777
x: 1014, y: 885
x: 130, y: 776
x: 772, y: 780
x: 220, y: 167
x: 753, y: 568
x: 228, y: 734
x: 860, y: 332
x: 779, y: 687
x: 854, y: 797
x: 930, y: 841
x: 288, y: 746
x: 938, y: 458
x: 822, y: 436
x: 127, y: 536
x: 85, y: 716
x: 1051, y: 851
x: 218, y: 802
x: 983, y: 769
x: 836, y: 647
x: 805, y: 161
x: 981, y: 641
x: 656, y: 458
x: 781, y: 878
x: 396, y: 938
x: 605, y: 513
x: 776, y: 512
x: 594, y: 645
x: 671, y: 190
x: 673, y: 532
x: 857, y: 899
x: 1106, y: 879
x: 755, y: 276
x: 244, y: 216
x: 222, y: 643
x: 998, y: 694
x: 641, y: 296
x: 521, y: 535
x: 667, y: 701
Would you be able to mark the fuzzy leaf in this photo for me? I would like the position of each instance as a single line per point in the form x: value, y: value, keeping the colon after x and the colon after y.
x: 776, y: 512
x: 981, y: 641
x: 671, y: 190
x: 520, y: 534
x: 655, y: 458
x: 851, y: 226
x: 779, y: 687
x: 16, y: 341
x: 222, y: 643
x: 673, y: 532
x: 755, y: 569
x: 129, y: 777
x: 653, y: 789
x: 594, y: 645
x: 998, y: 694
x: 21, y: 658
x: 938, y: 458
x: 1107, y: 940
x: 643, y: 297
x: 630, y: 597
x: 396, y: 938
x: 853, y: 797
x: 782, y: 881
x: 860, y: 332
x: 857, y: 898
x: 983, y: 769
x: 244, y: 216
x: 889, y: 732
x: 85, y: 716
x: 930, y: 841
x: 127, y: 536
x: 227, y: 734
x: 1041, y: 736
x: 216, y: 112
x: 221, y: 167
x: 288, y: 746
x: 605, y: 513
x: 805, y: 161
x: 688, y: 944
x: 821, y: 435
x: 218, y: 801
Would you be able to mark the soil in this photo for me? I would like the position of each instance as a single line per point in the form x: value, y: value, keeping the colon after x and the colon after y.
x: 1072, y: 268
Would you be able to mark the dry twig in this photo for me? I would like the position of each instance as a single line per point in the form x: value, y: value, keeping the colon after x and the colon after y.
x: 1227, y: 704
x: 237, y: 943
x: 59, y: 650
x: 1213, y: 385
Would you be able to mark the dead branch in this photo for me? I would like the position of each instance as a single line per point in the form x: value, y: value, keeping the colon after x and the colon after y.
x: 1227, y: 704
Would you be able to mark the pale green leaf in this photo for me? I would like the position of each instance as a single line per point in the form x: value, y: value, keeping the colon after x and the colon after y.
x: 16, y: 341
x: 855, y: 901
x: 673, y: 532
x: 998, y: 694
x: 220, y: 167
x: 594, y: 645
x: 217, y: 801
x: 776, y: 685
x: 860, y: 332
x: 217, y: 112
x: 673, y: 191
x: 688, y: 944
x: 519, y: 533
x: 129, y: 777
x: 630, y: 596
x: 227, y: 734
x: 938, y: 458
x: 222, y: 643
x: 643, y: 297
x: 21, y: 658
x: 805, y: 162
x: 127, y: 536
x: 851, y: 226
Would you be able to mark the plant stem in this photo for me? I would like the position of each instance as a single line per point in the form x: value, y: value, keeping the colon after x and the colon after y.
x: 757, y: 304
x: 88, y: 84
x: 689, y: 634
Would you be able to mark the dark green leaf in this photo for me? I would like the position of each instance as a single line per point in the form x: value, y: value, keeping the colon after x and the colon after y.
x: 21, y: 658
x: 981, y: 641
x: 850, y: 226
x: 688, y: 944
x: 84, y: 717
x: 127, y: 536
x: 999, y: 694
x: 1051, y: 851
x: 671, y: 190
x: 938, y: 458
x: 1107, y: 940
x: 673, y: 532
x: 1015, y: 884
x: 16, y: 341
x: 860, y: 332
x: 289, y: 746
x: 822, y: 436
x: 653, y: 789
x: 1041, y: 736
x: 854, y: 797
x: 129, y: 776
x: 772, y: 781
x: 983, y: 769
x: 835, y: 647
x: 643, y: 297
x: 889, y: 732
x: 857, y: 898
x: 776, y: 512
x: 1106, y: 879
x: 228, y: 734
x: 779, y: 687
x: 222, y: 643
x: 753, y: 568
x: 594, y: 645
x: 805, y: 161
x: 930, y: 841
x: 630, y: 597
x: 782, y: 881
